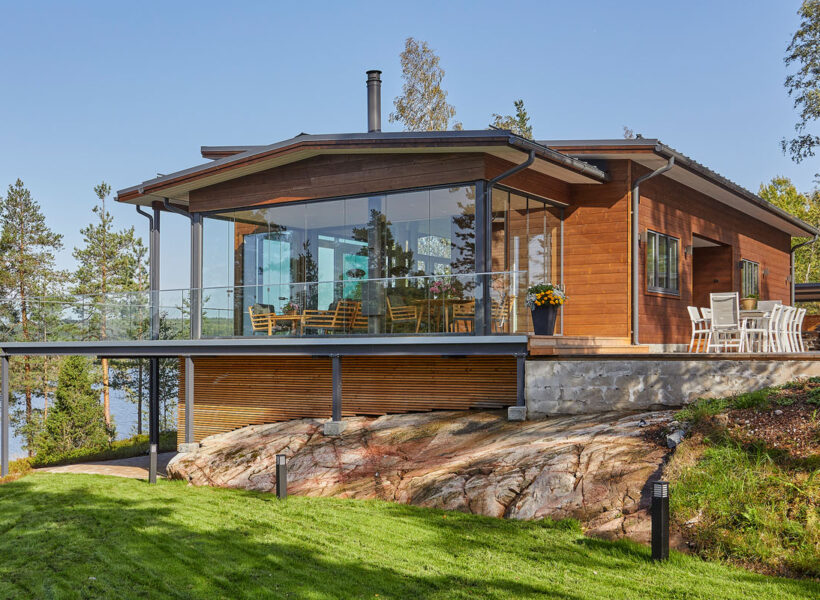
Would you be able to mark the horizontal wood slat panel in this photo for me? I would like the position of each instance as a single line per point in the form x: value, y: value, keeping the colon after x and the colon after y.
x: 235, y: 392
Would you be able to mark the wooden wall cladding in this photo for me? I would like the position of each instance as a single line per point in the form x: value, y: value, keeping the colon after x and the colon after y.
x: 339, y: 175
x: 674, y: 209
x: 596, y: 256
x: 232, y: 392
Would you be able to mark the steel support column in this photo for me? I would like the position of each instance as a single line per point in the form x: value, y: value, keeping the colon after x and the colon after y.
x: 153, y: 363
x: 153, y: 418
x: 4, y: 416
x: 483, y: 262
x: 196, y: 276
x: 520, y: 379
x: 337, y: 387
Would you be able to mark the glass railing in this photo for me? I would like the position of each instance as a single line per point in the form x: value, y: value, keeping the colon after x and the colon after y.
x: 424, y: 305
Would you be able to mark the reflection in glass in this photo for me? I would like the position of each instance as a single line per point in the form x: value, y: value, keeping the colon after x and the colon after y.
x: 314, y: 255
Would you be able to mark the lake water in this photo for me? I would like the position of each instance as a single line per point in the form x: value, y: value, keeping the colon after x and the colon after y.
x: 123, y: 412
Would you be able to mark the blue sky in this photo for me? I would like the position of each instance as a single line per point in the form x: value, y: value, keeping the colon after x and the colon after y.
x: 119, y: 91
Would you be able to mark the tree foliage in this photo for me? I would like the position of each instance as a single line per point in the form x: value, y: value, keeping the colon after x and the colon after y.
x: 422, y: 105
x: 76, y: 421
x: 782, y: 193
x: 27, y: 250
x: 109, y: 263
x: 518, y: 124
x: 803, y: 85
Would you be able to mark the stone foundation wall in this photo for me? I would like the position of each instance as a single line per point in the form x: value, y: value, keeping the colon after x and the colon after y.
x: 562, y: 387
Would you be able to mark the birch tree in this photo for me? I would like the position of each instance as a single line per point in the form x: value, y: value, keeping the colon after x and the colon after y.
x: 422, y: 105
x: 781, y: 192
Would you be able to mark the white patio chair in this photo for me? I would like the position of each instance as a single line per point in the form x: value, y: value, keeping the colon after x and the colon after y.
x: 775, y: 318
x: 784, y: 330
x: 700, y: 329
x: 727, y: 329
x: 798, y: 330
x: 768, y: 305
x: 757, y: 333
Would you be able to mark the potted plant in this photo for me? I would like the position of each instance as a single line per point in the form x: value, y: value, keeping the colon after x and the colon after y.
x: 291, y: 308
x: 749, y: 302
x: 543, y: 300
x: 441, y: 289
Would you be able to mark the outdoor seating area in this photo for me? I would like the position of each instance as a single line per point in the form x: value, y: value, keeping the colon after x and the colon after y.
x: 770, y: 327
x: 436, y: 315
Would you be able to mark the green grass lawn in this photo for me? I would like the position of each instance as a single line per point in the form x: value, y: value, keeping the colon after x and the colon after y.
x: 87, y: 536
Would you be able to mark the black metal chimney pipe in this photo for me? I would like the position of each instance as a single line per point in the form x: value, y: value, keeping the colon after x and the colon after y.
x: 374, y: 101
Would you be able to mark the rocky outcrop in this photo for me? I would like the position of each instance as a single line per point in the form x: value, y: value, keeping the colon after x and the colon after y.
x: 593, y: 468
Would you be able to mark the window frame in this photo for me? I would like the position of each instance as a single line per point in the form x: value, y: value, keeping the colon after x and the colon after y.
x: 672, y: 258
x: 744, y: 264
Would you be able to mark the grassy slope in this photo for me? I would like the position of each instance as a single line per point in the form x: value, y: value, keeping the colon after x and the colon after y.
x: 749, y: 502
x: 85, y: 536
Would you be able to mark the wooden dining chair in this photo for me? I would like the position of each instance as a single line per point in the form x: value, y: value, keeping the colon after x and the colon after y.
x: 263, y: 318
x: 463, y: 314
x: 340, y: 318
x: 398, y: 311
x: 501, y: 315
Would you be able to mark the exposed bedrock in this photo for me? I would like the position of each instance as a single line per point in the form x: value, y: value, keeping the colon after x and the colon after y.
x: 594, y: 468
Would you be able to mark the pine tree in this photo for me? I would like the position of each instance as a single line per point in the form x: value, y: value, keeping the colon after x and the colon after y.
x: 107, y: 266
x: 27, y: 249
x: 423, y: 104
x: 518, y: 124
x: 130, y: 375
x: 76, y: 421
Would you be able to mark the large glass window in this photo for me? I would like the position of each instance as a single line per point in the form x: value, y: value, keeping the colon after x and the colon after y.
x: 315, y: 254
x: 661, y: 263
x: 526, y: 242
x: 750, y: 277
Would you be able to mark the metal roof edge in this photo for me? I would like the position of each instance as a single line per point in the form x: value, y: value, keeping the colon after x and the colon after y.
x: 691, y: 164
x: 498, y: 136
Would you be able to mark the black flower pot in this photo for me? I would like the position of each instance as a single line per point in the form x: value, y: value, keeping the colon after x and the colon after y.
x: 543, y: 319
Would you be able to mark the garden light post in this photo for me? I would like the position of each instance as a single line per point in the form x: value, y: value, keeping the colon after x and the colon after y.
x: 4, y: 417
x: 660, y: 520
x: 281, y: 476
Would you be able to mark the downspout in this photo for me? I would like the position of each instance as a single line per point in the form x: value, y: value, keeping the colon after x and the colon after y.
x: 486, y: 259
x: 636, y: 243
x: 791, y: 252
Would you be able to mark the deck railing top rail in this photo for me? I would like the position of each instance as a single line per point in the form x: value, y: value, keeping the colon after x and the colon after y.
x: 353, y: 305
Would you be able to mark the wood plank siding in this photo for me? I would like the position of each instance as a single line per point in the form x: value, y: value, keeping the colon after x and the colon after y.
x: 236, y: 392
x: 339, y: 175
x: 674, y: 209
x: 596, y: 257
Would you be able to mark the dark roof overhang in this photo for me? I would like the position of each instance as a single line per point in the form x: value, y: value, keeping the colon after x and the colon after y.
x: 652, y: 154
x: 244, y: 160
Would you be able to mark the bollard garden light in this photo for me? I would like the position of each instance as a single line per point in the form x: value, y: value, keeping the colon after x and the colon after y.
x: 281, y: 476
x: 660, y: 520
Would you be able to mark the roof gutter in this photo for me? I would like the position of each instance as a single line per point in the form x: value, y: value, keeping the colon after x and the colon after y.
x: 717, y: 179
x: 573, y: 164
x: 636, y: 243
x: 791, y: 258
